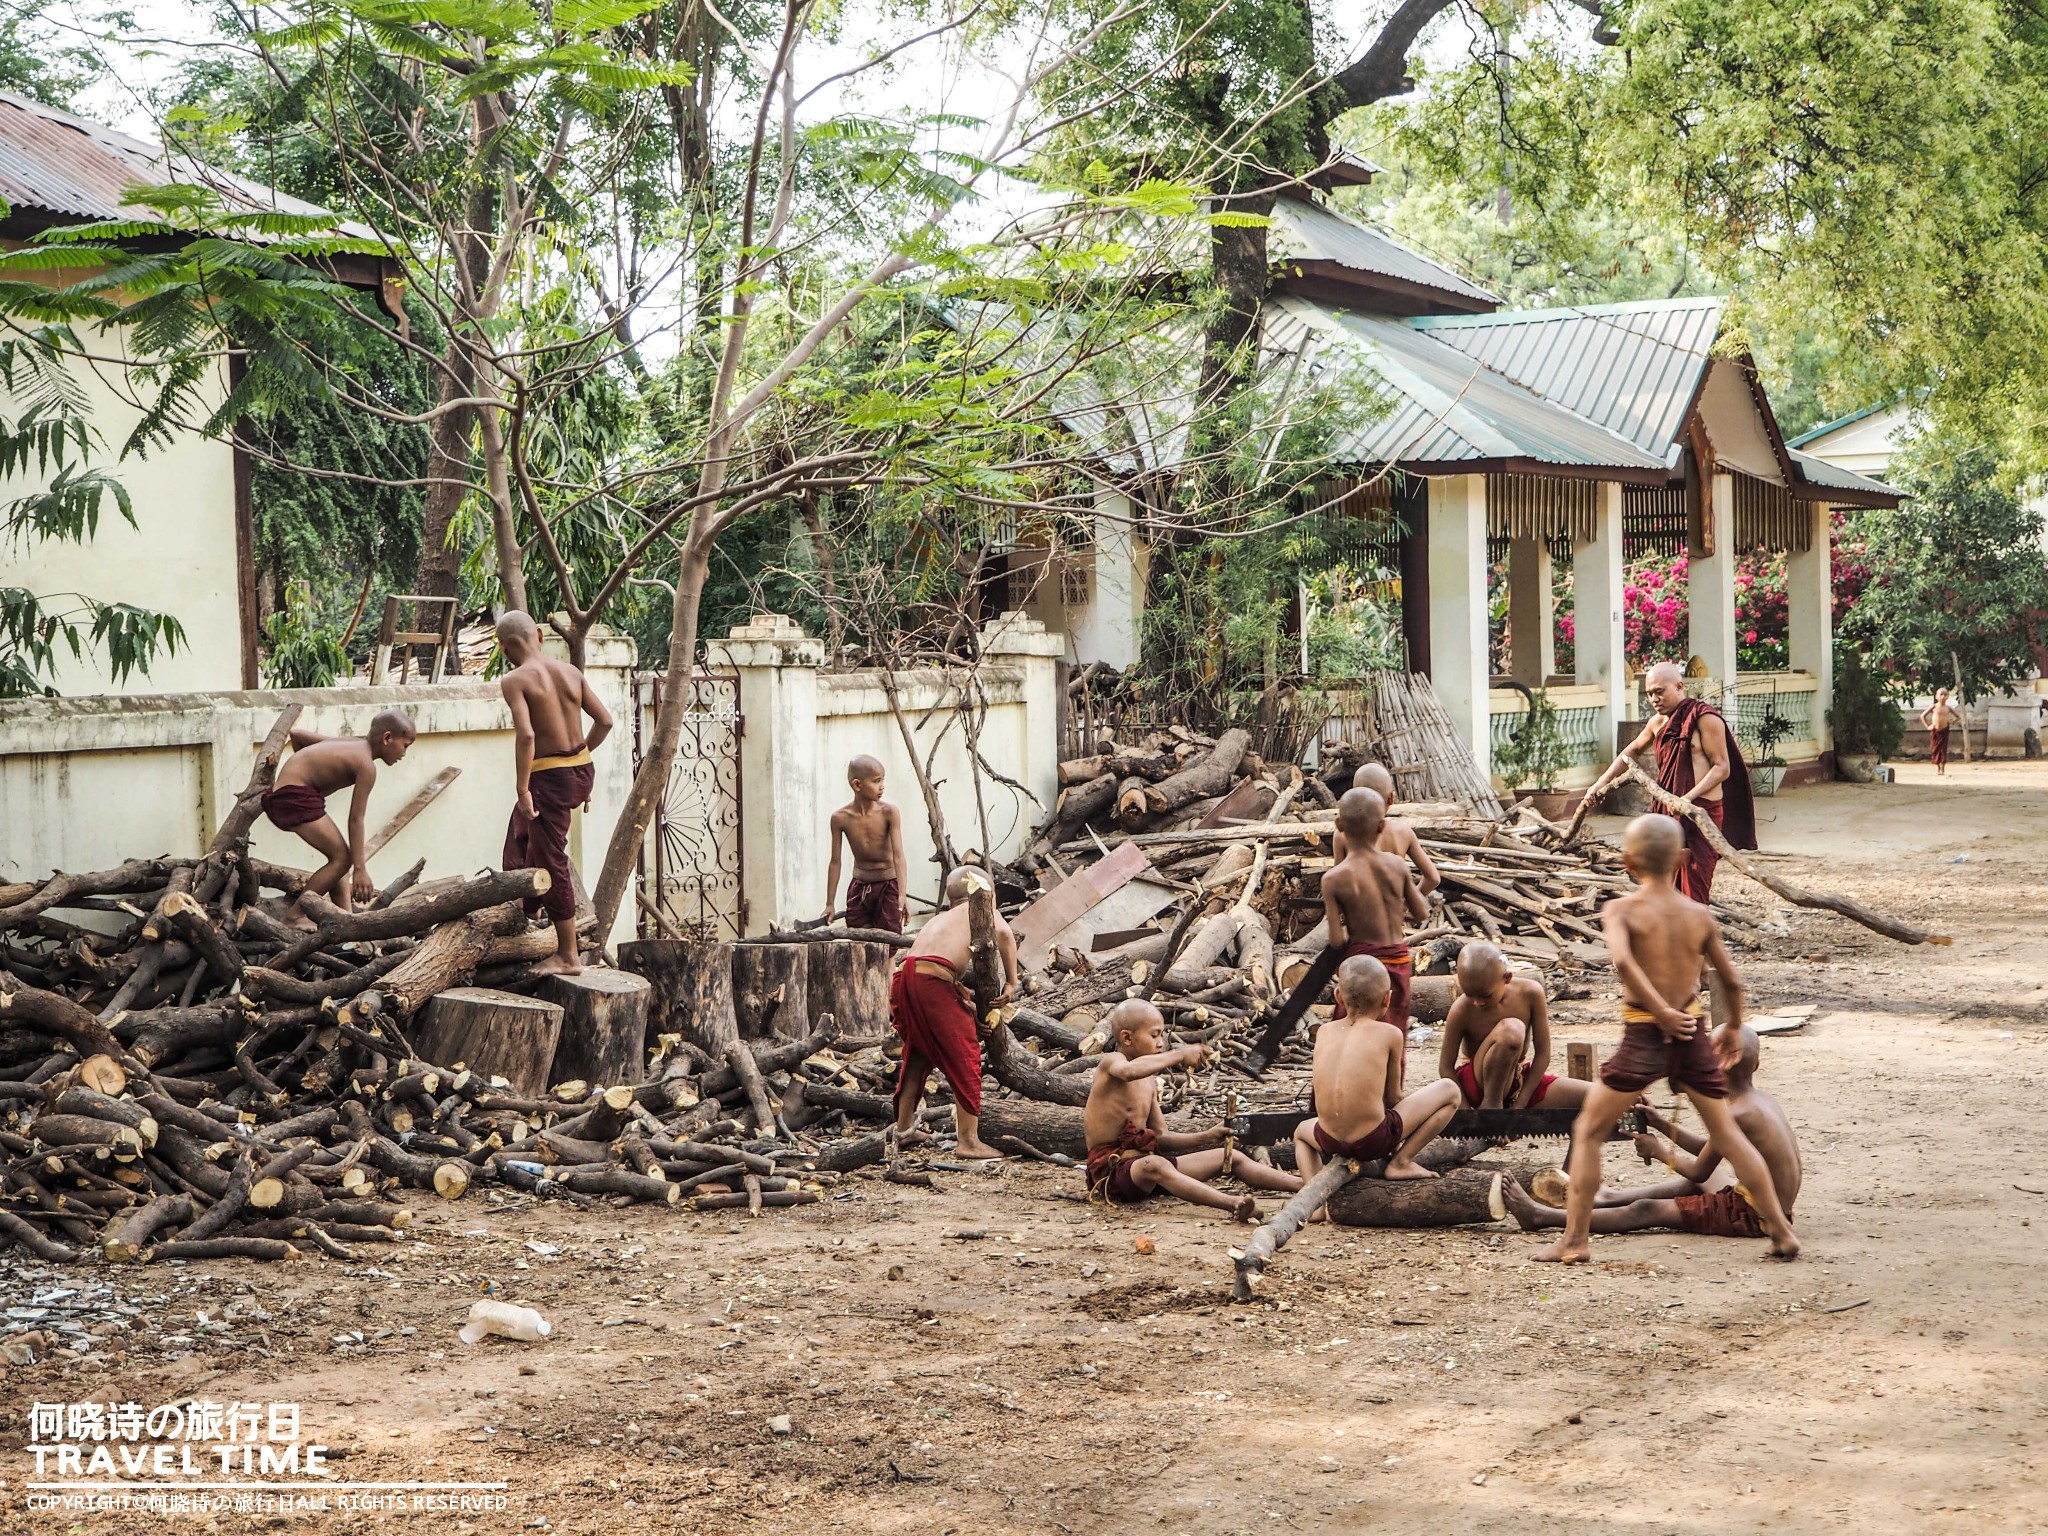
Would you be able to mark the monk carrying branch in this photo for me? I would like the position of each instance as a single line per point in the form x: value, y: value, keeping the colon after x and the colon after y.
x: 932, y: 1009
x: 297, y: 802
x: 1697, y: 760
x: 552, y: 772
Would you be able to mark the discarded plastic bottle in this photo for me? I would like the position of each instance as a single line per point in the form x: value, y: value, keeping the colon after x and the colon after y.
x: 505, y: 1320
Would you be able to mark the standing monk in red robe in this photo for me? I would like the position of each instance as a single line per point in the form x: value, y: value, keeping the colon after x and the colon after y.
x: 1697, y: 760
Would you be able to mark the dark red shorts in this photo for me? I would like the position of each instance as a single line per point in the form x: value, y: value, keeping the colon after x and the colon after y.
x: 1691, y: 1066
x: 290, y: 806
x: 1117, y: 1184
x: 1375, y: 1144
x: 875, y: 904
x: 1468, y: 1084
x: 1724, y: 1213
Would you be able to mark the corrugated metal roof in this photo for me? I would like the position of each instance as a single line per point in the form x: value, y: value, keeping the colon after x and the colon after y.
x: 1305, y: 231
x: 76, y: 169
x: 1633, y: 368
x: 1820, y: 472
x: 1442, y: 406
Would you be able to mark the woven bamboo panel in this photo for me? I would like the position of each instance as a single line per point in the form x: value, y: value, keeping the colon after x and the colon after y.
x: 1766, y: 517
x: 1539, y: 507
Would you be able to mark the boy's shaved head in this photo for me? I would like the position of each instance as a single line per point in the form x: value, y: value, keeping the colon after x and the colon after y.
x: 1364, y: 985
x: 1374, y: 776
x: 1360, y: 815
x: 1132, y: 1015
x: 1752, y: 1050
x: 964, y: 882
x: 1653, y: 844
x: 515, y: 626
x: 863, y: 767
x: 1480, y: 968
x: 392, y: 722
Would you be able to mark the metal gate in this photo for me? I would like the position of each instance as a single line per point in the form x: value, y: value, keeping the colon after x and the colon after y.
x: 690, y: 874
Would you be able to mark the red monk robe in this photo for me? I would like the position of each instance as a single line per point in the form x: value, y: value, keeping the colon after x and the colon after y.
x: 1734, y: 813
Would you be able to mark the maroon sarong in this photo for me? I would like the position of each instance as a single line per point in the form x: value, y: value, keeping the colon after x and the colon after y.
x: 1400, y: 966
x: 1109, y: 1165
x: 290, y: 806
x: 1724, y: 1213
x: 1734, y: 813
x: 543, y: 843
x: 937, y: 1030
x: 1937, y: 745
x: 875, y: 904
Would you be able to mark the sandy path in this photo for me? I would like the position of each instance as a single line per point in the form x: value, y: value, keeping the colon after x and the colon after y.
x: 1041, y: 1375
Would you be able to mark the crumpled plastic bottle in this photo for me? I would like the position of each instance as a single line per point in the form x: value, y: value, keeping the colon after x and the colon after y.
x: 505, y: 1320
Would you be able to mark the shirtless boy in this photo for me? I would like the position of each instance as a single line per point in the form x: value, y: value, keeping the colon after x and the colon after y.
x: 1703, y: 1198
x: 1359, y: 1111
x: 1366, y: 896
x: 873, y: 829
x: 1938, y: 717
x: 297, y: 802
x: 932, y: 1009
x: 1494, y: 1020
x: 552, y: 772
x: 1131, y: 1153
x: 1396, y: 837
x: 1659, y: 941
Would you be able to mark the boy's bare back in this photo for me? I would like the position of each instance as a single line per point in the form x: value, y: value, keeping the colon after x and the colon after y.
x: 328, y: 764
x: 1671, y: 937
x: 1366, y: 898
x: 1354, y: 1061
x: 553, y: 692
x: 1764, y: 1122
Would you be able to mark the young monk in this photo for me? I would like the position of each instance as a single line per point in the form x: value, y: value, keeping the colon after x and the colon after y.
x: 1357, y: 1073
x: 1938, y: 717
x: 1130, y: 1150
x: 932, y: 1008
x: 552, y: 772
x: 1397, y: 837
x: 873, y: 829
x: 1500, y: 1024
x: 1703, y: 1198
x: 1365, y: 897
x: 297, y: 802
x: 1659, y: 941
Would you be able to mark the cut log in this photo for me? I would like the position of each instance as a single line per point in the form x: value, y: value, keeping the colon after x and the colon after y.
x: 741, y: 1060
x: 849, y: 980
x: 53, y: 1014
x: 495, y: 1034
x: 1131, y: 810
x: 411, y: 914
x: 1460, y: 1197
x: 1077, y: 808
x: 1209, y: 774
x: 604, y: 1025
x: 771, y: 990
x: 692, y: 989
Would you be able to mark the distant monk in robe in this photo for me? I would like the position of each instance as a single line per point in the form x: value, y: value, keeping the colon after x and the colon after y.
x: 1697, y: 760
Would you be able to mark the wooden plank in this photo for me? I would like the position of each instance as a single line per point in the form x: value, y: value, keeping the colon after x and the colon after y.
x: 1038, y: 923
x: 423, y: 797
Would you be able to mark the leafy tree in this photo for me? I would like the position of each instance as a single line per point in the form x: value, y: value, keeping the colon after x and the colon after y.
x: 1958, y: 577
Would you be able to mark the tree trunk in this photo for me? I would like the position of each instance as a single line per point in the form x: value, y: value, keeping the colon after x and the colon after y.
x: 692, y: 989
x: 1458, y: 1198
x: 1209, y: 774
x: 448, y: 471
x: 494, y: 1034
x: 849, y: 979
x: 771, y: 990
x: 604, y: 1026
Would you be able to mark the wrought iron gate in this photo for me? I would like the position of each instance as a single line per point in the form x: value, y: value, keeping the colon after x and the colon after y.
x: 690, y: 872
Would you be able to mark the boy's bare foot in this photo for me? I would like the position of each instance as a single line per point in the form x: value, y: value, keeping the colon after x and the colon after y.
x: 1784, y: 1249
x: 560, y: 965
x: 300, y: 921
x: 1519, y: 1204
x: 1246, y: 1211
x: 916, y: 1136
x: 979, y: 1151
x: 1562, y: 1252
x: 1406, y: 1168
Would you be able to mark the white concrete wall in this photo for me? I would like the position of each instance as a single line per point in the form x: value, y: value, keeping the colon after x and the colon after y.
x: 803, y: 725
x: 88, y: 782
x: 179, y: 557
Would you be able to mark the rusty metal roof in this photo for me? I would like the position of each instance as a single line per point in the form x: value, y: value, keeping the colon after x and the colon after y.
x: 56, y: 169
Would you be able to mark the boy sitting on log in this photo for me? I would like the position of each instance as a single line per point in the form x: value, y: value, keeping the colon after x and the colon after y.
x: 297, y: 802
x: 1397, y: 837
x: 1359, y: 1111
x: 932, y: 1009
x: 1127, y: 1134
x: 1704, y: 1198
x: 1500, y: 1023
x: 1365, y: 898
x: 1660, y: 941
x: 873, y: 829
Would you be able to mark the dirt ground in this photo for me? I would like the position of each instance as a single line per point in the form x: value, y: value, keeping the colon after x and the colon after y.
x: 997, y: 1357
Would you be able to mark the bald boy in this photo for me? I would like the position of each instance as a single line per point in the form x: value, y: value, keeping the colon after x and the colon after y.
x: 873, y: 829
x: 1367, y: 896
x: 1499, y: 1023
x: 297, y: 802
x: 1396, y: 836
x: 552, y: 772
x: 932, y: 1009
x: 1659, y: 942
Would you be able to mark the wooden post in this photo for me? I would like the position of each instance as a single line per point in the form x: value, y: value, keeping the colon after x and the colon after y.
x: 1578, y: 1055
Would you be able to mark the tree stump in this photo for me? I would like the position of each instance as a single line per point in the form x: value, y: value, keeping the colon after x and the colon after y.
x: 771, y: 990
x: 849, y: 979
x: 1459, y: 1197
x: 692, y: 996
x: 604, y: 1026
x: 499, y: 1034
